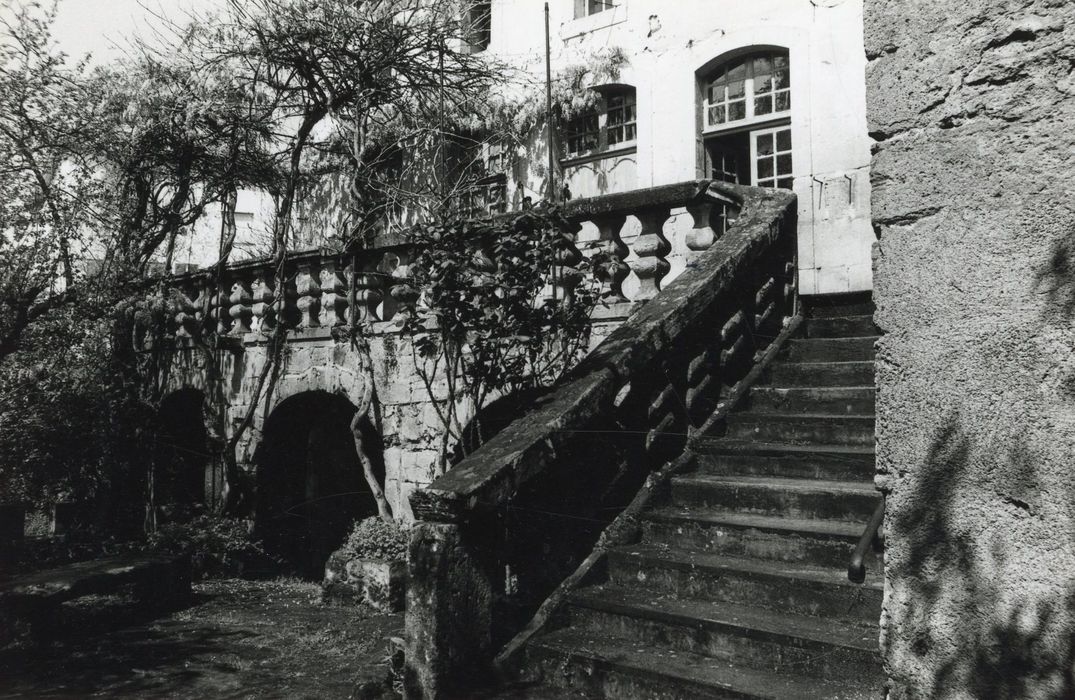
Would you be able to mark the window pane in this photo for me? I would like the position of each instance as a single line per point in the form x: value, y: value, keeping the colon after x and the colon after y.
x: 737, y: 71
x: 716, y: 93
x: 766, y: 183
x: 783, y: 101
x: 785, y: 183
x: 762, y: 65
x: 762, y: 84
x: 716, y: 115
x: 780, y: 60
x: 765, y: 144
x: 765, y: 167
x: 737, y: 110
x: 763, y: 105
x: 783, y: 140
x: 737, y: 88
x: 631, y: 133
x: 783, y: 164
x: 782, y: 80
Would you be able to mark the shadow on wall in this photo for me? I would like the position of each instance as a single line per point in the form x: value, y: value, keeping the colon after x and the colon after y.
x: 969, y: 625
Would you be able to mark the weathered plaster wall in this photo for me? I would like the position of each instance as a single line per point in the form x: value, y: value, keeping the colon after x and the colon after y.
x: 972, y: 103
x: 668, y: 42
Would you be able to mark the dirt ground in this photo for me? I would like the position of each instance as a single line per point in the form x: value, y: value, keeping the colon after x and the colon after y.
x: 239, y: 639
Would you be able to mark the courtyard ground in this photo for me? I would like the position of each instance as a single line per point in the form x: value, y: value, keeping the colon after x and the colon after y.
x: 238, y: 639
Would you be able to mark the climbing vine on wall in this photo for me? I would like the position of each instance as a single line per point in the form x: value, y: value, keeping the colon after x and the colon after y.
x: 504, y: 309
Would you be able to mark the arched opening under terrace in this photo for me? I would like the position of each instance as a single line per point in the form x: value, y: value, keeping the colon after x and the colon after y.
x: 310, y: 485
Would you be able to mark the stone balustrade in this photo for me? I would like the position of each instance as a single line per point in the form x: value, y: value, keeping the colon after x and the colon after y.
x: 325, y: 289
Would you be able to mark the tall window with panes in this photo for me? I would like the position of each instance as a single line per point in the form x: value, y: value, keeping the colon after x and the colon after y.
x: 612, y: 125
x: 746, y: 120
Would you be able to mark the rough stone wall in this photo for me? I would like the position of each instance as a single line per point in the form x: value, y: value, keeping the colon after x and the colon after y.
x: 972, y: 105
x: 403, y: 412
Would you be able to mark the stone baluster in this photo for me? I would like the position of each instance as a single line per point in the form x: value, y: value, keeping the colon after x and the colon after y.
x: 484, y: 264
x: 334, y: 292
x: 401, y: 291
x: 651, y: 246
x: 241, y: 301
x: 702, y: 390
x: 202, y: 304
x: 614, y: 270
x: 764, y: 303
x: 308, y: 289
x: 566, y: 275
x: 368, y: 296
x: 219, y: 305
x: 186, y: 310
x: 702, y: 234
x: 262, y: 297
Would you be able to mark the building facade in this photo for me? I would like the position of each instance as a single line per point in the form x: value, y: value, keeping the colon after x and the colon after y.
x: 766, y: 93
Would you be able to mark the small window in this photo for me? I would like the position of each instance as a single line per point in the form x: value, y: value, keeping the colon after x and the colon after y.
x: 478, y: 25
x: 611, y: 125
x: 772, y: 158
x: 585, y: 8
x: 753, y: 87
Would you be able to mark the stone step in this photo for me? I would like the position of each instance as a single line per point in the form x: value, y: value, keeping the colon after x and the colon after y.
x: 840, y: 326
x: 821, y: 374
x: 838, y: 305
x: 820, y: 543
x: 831, y: 349
x: 721, y: 456
x: 838, y: 400
x: 782, y: 586
x: 800, y: 428
x: 793, y: 498
x: 618, y: 669
x: 782, y: 642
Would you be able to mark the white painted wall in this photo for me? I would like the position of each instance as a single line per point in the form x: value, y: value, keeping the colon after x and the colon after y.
x: 669, y: 40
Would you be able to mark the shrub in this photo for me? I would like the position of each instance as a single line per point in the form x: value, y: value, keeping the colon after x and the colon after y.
x: 373, y: 538
x: 218, y: 546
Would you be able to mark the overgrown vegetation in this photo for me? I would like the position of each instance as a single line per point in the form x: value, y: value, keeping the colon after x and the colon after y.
x: 374, y: 538
x: 507, y: 310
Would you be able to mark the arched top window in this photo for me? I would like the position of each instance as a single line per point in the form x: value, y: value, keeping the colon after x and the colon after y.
x: 610, y: 125
x: 754, y: 87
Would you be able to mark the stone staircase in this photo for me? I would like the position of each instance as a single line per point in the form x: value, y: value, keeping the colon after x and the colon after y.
x: 738, y: 587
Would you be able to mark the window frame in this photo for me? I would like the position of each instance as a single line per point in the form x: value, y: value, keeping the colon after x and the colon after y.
x: 589, y: 8
x: 478, y: 30
x: 718, y: 76
x: 601, y: 121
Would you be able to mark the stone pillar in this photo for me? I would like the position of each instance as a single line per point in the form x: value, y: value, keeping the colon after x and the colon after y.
x: 449, y: 615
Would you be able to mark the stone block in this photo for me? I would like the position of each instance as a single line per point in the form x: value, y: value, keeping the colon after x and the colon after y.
x: 379, y: 583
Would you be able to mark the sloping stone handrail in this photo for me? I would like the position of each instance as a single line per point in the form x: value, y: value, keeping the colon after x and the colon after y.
x: 658, y: 376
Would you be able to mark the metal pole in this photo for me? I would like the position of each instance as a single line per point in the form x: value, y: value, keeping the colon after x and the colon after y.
x: 552, y: 194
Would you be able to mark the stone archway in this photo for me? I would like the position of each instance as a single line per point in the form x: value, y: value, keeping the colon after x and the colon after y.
x: 182, y: 456
x: 310, y: 484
